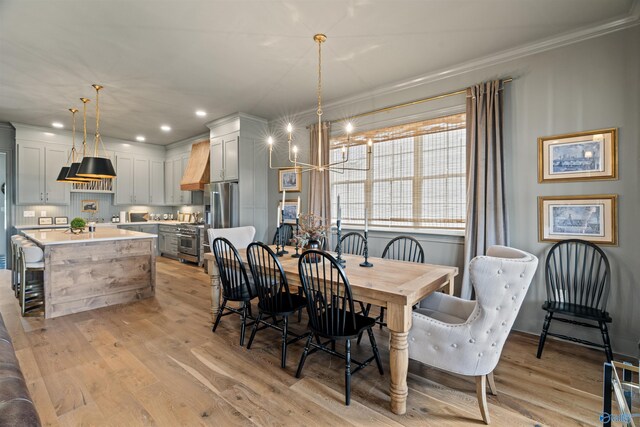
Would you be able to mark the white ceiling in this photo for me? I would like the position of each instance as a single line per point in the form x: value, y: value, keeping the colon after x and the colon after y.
x: 161, y: 60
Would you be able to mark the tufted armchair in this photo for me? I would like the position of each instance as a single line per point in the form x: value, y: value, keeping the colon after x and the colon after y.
x: 466, y: 337
x: 240, y: 237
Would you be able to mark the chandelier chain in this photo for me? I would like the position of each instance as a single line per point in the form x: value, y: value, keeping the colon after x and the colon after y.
x: 84, y: 125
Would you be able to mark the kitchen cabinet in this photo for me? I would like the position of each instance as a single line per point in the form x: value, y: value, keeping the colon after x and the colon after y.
x: 224, y: 158
x: 174, y: 169
x: 141, y: 181
x: 238, y: 153
x: 156, y: 193
x: 144, y: 228
x: 38, y: 166
x: 133, y: 183
x: 168, y: 240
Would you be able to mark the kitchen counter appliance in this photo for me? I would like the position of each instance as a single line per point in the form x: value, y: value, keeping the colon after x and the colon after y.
x: 188, y: 243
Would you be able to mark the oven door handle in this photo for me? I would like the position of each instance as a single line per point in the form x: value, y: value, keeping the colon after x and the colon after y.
x: 186, y: 235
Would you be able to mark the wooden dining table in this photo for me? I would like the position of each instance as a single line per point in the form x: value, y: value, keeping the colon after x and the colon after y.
x: 395, y: 285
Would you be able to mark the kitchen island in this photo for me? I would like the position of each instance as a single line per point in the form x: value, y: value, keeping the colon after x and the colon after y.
x: 92, y: 270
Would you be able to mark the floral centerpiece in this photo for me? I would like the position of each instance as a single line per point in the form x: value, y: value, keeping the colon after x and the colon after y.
x: 310, y: 232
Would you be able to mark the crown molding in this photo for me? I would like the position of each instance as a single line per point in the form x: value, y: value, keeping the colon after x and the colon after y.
x: 579, y: 35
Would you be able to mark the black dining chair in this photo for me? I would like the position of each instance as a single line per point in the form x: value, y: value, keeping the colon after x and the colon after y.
x: 353, y: 243
x: 285, y: 236
x: 235, y: 283
x: 274, y: 298
x: 404, y: 248
x: 577, y: 276
x: 401, y: 248
x: 331, y: 313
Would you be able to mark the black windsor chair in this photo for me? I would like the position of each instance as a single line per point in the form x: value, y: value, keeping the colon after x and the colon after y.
x: 352, y: 243
x: 235, y: 283
x: 401, y: 248
x: 274, y: 298
x: 577, y: 276
x: 331, y: 313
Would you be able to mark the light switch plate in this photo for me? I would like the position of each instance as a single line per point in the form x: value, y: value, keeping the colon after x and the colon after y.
x: 43, y: 213
x: 29, y: 214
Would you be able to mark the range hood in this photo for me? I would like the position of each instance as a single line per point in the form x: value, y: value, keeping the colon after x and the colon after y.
x: 196, y: 175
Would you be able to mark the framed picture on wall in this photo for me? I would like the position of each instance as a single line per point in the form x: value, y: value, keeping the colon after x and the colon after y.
x: 90, y: 206
x: 592, y: 218
x: 45, y: 220
x: 61, y: 220
x: 578, y: 156
x: 289, y: 179
x: 290, y: 211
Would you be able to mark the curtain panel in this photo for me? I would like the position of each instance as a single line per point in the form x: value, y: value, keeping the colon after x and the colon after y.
x: 486, y: 207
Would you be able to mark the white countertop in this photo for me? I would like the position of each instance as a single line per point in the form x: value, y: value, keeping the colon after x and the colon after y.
x: 98, y: 224
x: 104, y: 234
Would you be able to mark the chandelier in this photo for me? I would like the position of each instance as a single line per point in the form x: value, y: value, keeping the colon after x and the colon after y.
x: 97, y: 167
x: 338, y: 166
x: 72, y: 173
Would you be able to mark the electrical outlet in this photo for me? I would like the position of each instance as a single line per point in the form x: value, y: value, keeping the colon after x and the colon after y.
x: 29, y: 214
x: 43, y: 213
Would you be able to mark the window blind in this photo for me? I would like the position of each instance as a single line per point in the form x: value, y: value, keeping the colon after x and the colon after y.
x: 417, y: 179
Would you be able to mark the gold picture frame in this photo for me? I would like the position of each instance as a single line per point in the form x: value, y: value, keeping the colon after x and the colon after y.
x: 290, y: 179
x: 90, y: 206
x: 593, y: 218
x: 579, y: 156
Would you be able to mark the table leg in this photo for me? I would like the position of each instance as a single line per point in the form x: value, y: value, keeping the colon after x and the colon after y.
x: 215, y: 288
x: 399, y: 323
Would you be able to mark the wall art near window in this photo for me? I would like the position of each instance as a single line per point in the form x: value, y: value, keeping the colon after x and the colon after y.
x: 289, y: 179
x: 45, y: 220
x: 578, y: 156
x: 591, y: 218
x: 290, y: 211
x: 61, y: 220
x: 90, y: 206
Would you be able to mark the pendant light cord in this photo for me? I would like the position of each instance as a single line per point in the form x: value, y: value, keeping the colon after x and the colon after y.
x: 84, y: 125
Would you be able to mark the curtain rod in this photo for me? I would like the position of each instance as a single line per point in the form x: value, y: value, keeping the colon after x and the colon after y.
x: 410, y: 103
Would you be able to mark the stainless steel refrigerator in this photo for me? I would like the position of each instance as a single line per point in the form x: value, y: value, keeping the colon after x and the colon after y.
x: 221, y: 208
x: 223, y: 205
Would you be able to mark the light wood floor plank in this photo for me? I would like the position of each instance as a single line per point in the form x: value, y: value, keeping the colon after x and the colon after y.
x: 156, y: 362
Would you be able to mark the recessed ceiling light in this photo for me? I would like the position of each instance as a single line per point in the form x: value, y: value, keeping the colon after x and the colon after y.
x: 49, y: 133
x: 57, y: 125
x: 141, y: 138
x: 201, y: 113
x: 165, y: 128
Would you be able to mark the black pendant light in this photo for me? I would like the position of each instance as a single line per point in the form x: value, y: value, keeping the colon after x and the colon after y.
x: 72, y: 173
x: 97, y: 167
x: 62, y: 176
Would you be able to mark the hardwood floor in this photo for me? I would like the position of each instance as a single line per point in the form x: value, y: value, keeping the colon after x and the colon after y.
x: 156, y: 362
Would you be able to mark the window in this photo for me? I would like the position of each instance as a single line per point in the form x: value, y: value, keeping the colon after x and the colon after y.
x: 417, y: 179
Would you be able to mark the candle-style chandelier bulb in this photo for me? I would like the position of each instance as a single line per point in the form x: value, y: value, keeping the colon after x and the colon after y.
x: 289, y: 128
x: 349, y: 127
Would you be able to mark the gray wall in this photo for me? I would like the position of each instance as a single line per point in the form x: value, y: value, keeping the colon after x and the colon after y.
x: 588, y: 85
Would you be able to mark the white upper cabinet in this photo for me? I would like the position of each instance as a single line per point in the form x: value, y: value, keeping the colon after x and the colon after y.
x: 141, y: 181
x: 169, y: 193
x: 133, y: 183
x: 224, y: 158
x: 156, y: 192
x: 185, y: 196
x: 38, y: 167
x: 124, y: 180
x: 55, y: 193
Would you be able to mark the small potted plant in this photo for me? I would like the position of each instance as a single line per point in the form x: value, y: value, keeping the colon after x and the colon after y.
x: 311, y: 233
x: 77, y: 225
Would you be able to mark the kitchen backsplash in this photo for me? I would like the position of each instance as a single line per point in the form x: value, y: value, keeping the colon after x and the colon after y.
x: 106, y: 209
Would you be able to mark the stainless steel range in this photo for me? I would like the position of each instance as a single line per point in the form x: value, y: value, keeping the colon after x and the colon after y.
x: 189, y: 242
